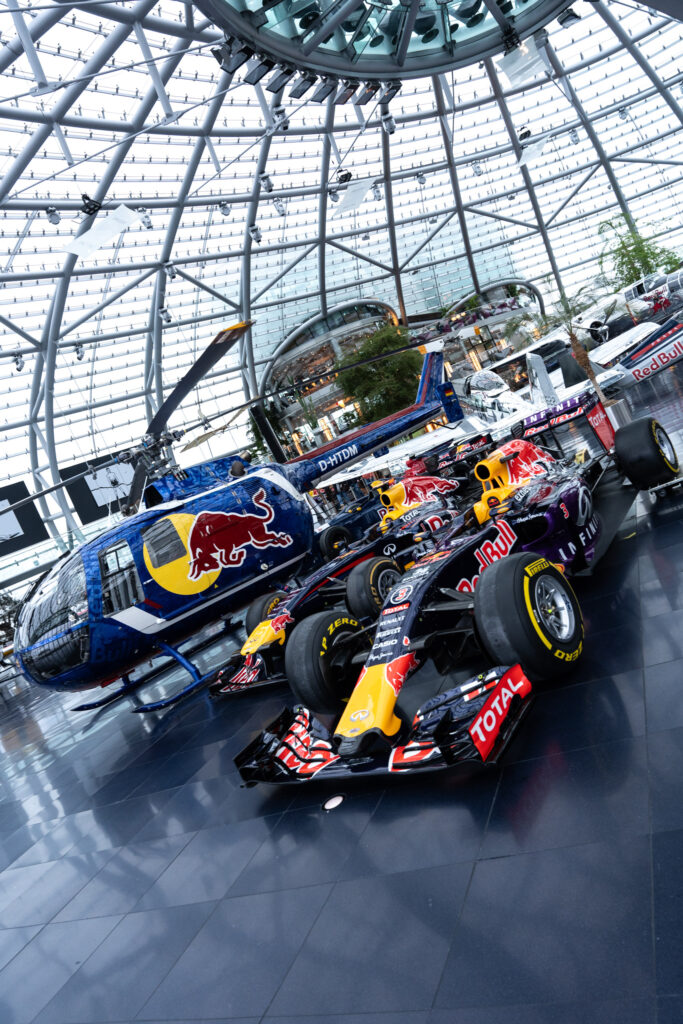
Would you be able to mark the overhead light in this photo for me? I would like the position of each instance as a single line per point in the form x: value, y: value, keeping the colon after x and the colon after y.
x: 343, y: 177
x: 421, y: 180
x: 257, y: 68
x: 280, y: 119
x: 522, y: 63
x: 325, y: 88
x: 279, y: 206
x: 376, y: 192
x: 79, y: 352
x: 52, y: 215
x: 524, y: 133
x: 433, y: 220
x: 334, y: 195
x: 623, y: 113
x: 90, y: 206
x: 305, y: 83
x: 568, y: 17
x: 574, y: 136
x: 170, y: 270
x: 388, y: 123
x: 19, y: 362
x: 165, y: 315
x: 477, y: 170
x: 255, y: 233
x: 366, y: 94
x: 346, y: 91
x: 389, y: 90
x: 144, y: 217
x: 224, y: 207
x: 280, y: 78
x: 265, y: 181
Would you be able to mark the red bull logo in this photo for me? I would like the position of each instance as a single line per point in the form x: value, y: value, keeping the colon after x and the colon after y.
x: 218, y: 540
x: 397, y: 671
x: 280, y: 621
x: 425, y: 488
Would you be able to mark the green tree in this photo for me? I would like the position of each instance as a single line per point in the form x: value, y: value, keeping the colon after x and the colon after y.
x: 629, y: 255
x: 382, y: 387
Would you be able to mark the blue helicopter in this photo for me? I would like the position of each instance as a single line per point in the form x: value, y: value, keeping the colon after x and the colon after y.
x: 208, y: 540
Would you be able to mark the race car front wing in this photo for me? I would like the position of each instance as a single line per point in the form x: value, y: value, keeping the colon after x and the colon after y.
x: 473, y: 723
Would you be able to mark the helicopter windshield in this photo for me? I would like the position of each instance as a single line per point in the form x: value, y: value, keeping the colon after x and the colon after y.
x: 53, y: 630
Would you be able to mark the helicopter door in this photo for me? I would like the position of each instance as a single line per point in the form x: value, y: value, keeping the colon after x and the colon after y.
x: 121, y: 587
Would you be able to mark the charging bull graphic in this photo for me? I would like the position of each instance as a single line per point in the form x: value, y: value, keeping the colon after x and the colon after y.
x: 218, y: 540
x: 425, y: 488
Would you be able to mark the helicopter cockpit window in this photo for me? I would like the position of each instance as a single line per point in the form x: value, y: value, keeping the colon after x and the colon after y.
x: 121, y: 587
x: 53, y: 630
x: 163, y: 543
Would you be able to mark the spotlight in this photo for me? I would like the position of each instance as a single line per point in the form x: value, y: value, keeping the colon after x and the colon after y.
x: 376, y: 192
x: 568, y: 17
x: 52, y: 215
x: 224, y: 207
x: 366, y: 94
x: 389, y: 90
x: 144, y: 217
x: 343, y: 177
x: 165, y: 315
x: 325, y: 88
x: 477, y: 170
x: 90, y: 206
x: 524, y: 133
x: 388, y: 123
x: 169, y: 270
x: 574, y: 136
x: 280, y: 119
x: 622, y: 113
x: 266, y: 183
x: 334, y: 195
x: 346, y: 91
x: 279, y: 206
x: 19, y: 362
x: 420, y: 178
x: 257, y: 68
x: 255, y: 233
x: 79, y: 352
x: 280, y: 78
x: 305, y: 83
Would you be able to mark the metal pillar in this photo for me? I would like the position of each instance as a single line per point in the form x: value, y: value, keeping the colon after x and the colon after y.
x: 455, y: 185
x: 524, y: 171
x: 322, y: 203
x: 391, y: 227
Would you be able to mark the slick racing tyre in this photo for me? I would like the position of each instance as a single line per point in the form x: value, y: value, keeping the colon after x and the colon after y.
x: 526, y: 612
x: 369, y: 585
x: 645, y: 453
x: 262, y: 608
x: 318, y: 660
x: 333, y: 539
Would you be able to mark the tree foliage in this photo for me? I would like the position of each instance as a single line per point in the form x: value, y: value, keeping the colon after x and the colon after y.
x: 383, y: 387
x: 629, y: 255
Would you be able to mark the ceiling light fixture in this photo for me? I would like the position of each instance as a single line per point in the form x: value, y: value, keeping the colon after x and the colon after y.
x: 265, y: 182
x: 255, y: 233
x: 52, y: 215
x: 19, y: 362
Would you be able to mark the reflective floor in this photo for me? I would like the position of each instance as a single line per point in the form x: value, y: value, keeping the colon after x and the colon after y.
x: 140, y: 883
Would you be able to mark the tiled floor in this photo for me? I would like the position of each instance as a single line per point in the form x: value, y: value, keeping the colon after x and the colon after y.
x: 140, y: 883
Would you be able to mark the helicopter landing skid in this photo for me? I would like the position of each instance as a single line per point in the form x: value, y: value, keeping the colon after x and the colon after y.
x: 127, y: 688
x: 198, y: 681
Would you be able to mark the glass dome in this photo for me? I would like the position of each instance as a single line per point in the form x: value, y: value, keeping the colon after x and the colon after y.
x: 223, y: 200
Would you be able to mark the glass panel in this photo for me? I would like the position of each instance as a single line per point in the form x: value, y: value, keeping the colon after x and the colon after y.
x: 163, y: 543
x: 121, y: 587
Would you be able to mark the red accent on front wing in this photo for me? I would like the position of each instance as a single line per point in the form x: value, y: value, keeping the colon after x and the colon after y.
x: 485, y: 728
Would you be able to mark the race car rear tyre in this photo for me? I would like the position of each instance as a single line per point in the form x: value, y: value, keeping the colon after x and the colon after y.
x: 318, y: 660
x: 261, y: 608
x: 369, y: 585
x: 332, y: 539
x: 645, y: 453
x: 526, y: 611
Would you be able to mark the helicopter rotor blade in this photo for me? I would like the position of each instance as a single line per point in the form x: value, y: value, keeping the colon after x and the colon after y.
x: 215, y: 351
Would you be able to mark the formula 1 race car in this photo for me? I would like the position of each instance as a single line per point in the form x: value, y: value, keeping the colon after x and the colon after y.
x: 492, y: 592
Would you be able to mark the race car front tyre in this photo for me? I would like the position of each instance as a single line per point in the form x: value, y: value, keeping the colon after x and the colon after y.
x: 526, y: 611
x: 262, y: 608
x: 318, y: 660
x: 333, y: 539
x: 645, y: 453
x: 369, y: 585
